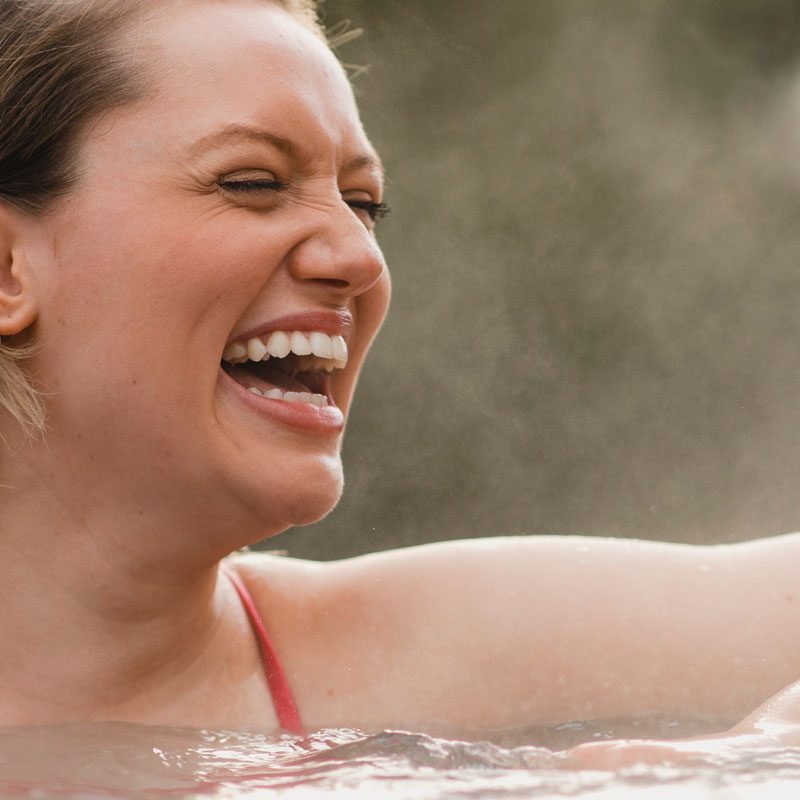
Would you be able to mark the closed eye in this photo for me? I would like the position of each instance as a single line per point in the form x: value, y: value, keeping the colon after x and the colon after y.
x: 375, y: 211
x: 252, y: 185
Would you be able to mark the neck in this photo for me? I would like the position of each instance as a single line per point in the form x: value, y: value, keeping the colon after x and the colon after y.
x: 109, y: 617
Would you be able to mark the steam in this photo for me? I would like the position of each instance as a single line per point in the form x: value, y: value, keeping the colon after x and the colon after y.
x: 596, y: 262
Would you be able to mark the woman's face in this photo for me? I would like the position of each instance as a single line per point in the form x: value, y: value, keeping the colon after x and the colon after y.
x: 233, y: 202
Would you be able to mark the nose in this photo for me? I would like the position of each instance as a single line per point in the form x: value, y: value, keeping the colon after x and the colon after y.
x: 340, y: 254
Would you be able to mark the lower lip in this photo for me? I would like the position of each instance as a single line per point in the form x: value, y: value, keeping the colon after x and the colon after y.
x: 303, y: 416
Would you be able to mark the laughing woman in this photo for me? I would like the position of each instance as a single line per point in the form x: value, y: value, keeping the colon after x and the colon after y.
x: 189, y: 284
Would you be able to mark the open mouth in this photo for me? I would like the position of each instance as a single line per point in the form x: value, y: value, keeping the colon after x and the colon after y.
x: 289, y: 366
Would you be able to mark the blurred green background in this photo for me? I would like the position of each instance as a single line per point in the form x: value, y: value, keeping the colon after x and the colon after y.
x: 595, y: 248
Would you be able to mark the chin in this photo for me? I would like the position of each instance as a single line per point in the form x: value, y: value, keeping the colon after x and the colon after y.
x: 309, y: 495
x: 311, y: 509
x: 311, y: 513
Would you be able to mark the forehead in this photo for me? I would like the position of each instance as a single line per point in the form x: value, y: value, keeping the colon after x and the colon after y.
x: 248, y: 62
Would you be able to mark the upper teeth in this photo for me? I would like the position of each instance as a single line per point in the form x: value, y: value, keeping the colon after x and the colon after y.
x: 279, y: 344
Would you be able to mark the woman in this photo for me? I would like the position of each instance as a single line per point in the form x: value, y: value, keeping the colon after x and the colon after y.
x: 189, y: 275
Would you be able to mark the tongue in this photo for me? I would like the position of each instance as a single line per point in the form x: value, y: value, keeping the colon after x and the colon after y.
x: 266, y: 377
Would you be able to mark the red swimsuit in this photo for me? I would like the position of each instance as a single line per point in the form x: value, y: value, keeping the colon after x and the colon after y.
x: 282, y: 697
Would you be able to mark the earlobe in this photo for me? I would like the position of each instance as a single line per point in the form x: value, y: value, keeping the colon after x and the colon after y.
x: 18, y: 308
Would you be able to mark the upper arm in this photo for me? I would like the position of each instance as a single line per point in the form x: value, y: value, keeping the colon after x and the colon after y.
x: 505, y: 631
x: 509, y: 631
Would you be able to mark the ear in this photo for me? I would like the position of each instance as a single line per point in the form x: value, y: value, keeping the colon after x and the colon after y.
x: 18, y: 308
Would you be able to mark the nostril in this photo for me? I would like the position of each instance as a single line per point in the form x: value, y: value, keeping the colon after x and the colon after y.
x: 335, y: 283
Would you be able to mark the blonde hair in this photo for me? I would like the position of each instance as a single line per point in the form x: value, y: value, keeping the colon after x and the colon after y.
x: 61, y: 65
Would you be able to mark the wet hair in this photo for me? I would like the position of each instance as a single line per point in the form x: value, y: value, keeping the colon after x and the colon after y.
x: 62, y: 64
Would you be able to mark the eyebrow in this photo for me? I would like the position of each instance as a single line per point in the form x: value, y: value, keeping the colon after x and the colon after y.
x: 359, y: 162
x: 246, y: 133
x: 233, y: 133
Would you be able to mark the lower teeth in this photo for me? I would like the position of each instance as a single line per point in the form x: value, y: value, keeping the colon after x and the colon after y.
x: 292, y: 397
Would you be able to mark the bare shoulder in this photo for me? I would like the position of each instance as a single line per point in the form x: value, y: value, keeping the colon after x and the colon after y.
x: 567, y: 626
x: 435, y: 583
x: 336, y: 628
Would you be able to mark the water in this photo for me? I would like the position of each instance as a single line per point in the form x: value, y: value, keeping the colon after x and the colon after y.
x: 118, y: 760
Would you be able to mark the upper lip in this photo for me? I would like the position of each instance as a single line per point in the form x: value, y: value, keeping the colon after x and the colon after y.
x: 334, y: 323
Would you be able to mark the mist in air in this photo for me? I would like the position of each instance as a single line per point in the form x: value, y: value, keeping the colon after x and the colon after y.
x: 595, y: 250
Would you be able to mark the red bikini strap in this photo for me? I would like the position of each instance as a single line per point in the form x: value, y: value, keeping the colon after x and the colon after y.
x: 282, y: 698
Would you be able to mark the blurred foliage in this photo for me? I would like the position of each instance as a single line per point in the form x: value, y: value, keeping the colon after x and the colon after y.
x: 595, y: 248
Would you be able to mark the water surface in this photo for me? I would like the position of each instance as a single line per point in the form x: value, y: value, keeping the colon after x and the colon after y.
x: 119, y: 760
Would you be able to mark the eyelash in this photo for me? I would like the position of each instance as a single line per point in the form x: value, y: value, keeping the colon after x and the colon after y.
x: 252, y: 186
x: 375, y: 211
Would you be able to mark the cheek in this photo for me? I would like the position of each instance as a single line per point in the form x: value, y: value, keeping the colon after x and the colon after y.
x: 162, y: 281
x: 140, y: 310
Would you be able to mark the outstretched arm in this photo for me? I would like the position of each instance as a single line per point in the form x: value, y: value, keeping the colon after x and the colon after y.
x: 481, y: 635
x: 553, y: 628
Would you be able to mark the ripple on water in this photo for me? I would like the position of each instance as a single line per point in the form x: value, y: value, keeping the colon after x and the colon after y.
x: 119, y: 760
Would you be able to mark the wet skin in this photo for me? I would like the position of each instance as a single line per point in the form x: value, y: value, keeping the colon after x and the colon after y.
x: 152, y: 470
x: 152, y: 467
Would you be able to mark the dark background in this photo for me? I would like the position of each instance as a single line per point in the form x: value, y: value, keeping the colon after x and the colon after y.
x: 595, y: 247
